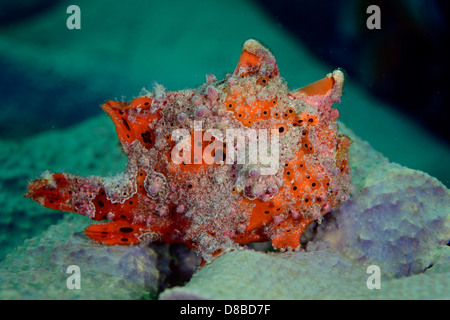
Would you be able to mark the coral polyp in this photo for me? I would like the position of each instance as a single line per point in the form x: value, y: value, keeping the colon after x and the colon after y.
x: 231, y: 162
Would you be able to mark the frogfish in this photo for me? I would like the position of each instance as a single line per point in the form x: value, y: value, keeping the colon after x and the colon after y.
x: 234, y: 161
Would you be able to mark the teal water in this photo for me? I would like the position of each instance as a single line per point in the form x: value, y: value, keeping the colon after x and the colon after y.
x: 54, y: 79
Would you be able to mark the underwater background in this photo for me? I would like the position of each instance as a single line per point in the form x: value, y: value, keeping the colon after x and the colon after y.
x: 53, y: 79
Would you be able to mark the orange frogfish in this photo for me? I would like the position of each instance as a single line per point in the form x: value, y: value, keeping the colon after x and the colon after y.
x: 231, y: 162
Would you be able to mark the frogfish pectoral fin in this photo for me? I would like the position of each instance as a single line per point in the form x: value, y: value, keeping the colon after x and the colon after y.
x: 65, y: 192
x: 115, y: 232
x: 52, y: 191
